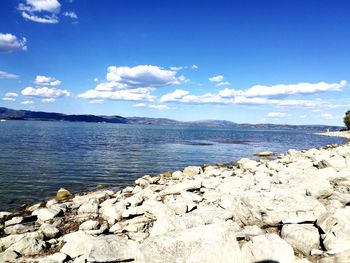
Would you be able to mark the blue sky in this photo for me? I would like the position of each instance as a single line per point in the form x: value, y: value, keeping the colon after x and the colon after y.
x: 244, y: 61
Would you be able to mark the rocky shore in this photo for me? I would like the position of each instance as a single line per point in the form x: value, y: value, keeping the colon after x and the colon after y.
x: 292, y: 208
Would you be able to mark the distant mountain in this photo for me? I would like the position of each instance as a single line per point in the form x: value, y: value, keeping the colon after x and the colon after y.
x: 10, y: 114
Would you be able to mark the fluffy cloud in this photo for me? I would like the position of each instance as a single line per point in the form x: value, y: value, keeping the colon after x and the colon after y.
x: 293, y: 89
x: 133, y: 83
x: 10, y: 96
x: 44, y: 92
x: 10, y: 43
x: 51, y: 6
x: 142, y: 76
x: 174, y: 96
x: 277, y: 114
x: 140, y: 94
x: 46, y: 81
x: 217, y: 78
x: 223, y: 83
x: 6, y: 75
x: 40, y: 11
x: 47, y: 19
x: 71, y: 14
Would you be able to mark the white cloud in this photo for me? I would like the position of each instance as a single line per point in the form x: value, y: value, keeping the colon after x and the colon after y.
x: 51, y: 6
x: 133, y: 83
x: 40, y: 11
x: 176, y: 68
x: 44, y: 92
x: 96, y: 79
x: 151, y: 106
x: 218, y: 78
x: 327, y: 116
x: 49, y: 100
x: 46, y: 81
x: 158, y: 107
x: 6, y: 75
x: 142, y: 76
x: 71, y: 14
x: 194, y: 67
x: 96, y: 101
x: 140, y: 105
x: 27, y: 102
x: 277, y: 114
x: 10, y: 43
x: 47, y: 19
x: 223, y: 83
x: 174, y: 96
x: 8, y: 99
x: 11, y: 95
x: 293, y: 89
x: 140, y: 94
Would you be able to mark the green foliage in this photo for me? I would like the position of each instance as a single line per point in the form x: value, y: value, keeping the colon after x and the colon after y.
x: 347, y: 119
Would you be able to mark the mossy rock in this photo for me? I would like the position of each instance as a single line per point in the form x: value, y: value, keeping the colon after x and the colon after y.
x: 62, y: 194
x: 167, y: 174
x: 101, y: 186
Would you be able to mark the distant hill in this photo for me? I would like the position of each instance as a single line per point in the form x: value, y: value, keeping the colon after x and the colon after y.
x: 10, y: 114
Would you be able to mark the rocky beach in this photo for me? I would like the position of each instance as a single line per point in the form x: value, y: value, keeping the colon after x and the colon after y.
x: 293, y: 207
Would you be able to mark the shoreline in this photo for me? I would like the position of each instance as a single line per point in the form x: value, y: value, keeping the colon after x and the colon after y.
x: 240, y: 210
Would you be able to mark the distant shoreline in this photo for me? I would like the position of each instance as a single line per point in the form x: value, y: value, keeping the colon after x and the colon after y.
x: 24, y: 115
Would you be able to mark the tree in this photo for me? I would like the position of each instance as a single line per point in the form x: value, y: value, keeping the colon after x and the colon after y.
x: 347, y: 119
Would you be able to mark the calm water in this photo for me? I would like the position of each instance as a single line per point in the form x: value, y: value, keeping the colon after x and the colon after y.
x: 37, y: 158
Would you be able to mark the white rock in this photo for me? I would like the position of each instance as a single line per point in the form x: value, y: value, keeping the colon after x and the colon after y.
x: 112, y: 213
x: 45, y: 214
x: 192, y: 170
x: 178, y: 206
x: 301, y: 237
x: 90, y: 207
x: 177, y: 175
x: 28, y: 246
x: 204, y: 244
x: 54, y: 258
x: 183, y: 186
x: 89, y: 225
x: 191, y: 196
x: 269, y: 247
x: 49, y: 230
x: 4, y: 214
x: 6, y: 242
x: 8, y: 256
x: 336, y: 228
x: 271, y: 208
x: 101, y: 249
x: 13, y: 221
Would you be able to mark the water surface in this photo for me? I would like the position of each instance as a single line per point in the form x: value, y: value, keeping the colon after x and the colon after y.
x: 37, y: 158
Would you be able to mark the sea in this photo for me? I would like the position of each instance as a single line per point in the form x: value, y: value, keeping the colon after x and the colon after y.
x: 39, y: 157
